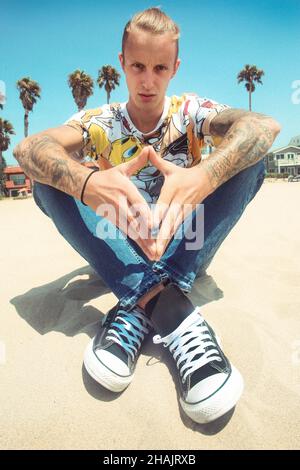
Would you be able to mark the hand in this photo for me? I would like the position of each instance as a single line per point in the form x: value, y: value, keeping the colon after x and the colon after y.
x: 182, y: 190
x: 111, y: 194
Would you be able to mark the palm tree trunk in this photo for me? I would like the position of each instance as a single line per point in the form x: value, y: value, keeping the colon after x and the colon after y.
x: 1, y: 175
x: 108, y: 96
x: 250, y: 104
x: 26, y: 134
x: 26, y: 123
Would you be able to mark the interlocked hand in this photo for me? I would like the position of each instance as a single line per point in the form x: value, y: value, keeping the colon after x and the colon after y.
x: 182, y: 190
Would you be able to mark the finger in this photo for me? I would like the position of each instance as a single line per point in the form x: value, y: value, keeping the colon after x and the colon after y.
x: 134, y: 227
x: 161, y: 208
x: 170, y: 223
x: 160, y: 163
x: 175, y: 223
x: 140, y: 208
x: 146, y: 243
x: 135, y: 164
x: 143, y: 216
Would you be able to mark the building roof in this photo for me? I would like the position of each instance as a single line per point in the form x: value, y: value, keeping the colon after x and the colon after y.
x: 13, y: 169
x: 292, y: 148
x: 295, y: 140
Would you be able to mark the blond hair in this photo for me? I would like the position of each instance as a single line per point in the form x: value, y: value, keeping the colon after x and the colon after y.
x: 153, y: 21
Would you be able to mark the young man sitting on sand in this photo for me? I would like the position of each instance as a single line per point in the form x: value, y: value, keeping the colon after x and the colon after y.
x: 149, y: 152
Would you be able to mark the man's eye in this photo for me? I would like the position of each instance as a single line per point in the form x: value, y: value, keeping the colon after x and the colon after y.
x: 161, y: 67
x: 138, y: 66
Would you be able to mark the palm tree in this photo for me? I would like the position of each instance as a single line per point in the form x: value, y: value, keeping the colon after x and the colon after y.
x: 82, y: 87
x: 250, y: 74
x: 109, y: 78
x: 6, y: 129
x: 29, y: 92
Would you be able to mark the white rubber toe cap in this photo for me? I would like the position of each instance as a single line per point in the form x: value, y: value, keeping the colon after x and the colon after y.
x: 218, y: 402
x: 107, y: 369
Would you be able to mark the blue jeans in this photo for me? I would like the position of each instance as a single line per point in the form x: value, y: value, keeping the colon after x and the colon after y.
x: 121, y: 263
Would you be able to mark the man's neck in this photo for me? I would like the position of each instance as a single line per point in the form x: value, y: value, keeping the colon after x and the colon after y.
x: 144, y: 122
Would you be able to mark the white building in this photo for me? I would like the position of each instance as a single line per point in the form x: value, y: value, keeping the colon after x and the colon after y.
x: 285, y: 159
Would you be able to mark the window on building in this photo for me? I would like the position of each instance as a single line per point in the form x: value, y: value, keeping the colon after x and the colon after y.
x: 18, y: 179
x: 271, y: 158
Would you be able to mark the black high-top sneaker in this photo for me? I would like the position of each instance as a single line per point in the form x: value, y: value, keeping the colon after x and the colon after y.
x: 209, y: 385
x: 111, y: 356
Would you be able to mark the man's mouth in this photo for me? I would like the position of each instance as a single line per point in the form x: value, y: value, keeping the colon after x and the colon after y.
x: 146, y: 97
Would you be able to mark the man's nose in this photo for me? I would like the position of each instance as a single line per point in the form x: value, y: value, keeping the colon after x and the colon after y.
x: 148, y: 80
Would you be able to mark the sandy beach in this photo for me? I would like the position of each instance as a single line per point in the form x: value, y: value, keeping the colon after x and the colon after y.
x: 51, y: 303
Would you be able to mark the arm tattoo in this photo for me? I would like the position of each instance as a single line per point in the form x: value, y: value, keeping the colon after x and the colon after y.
x: 46, y: 161
x: 247, y: 138
x: 222, y: 122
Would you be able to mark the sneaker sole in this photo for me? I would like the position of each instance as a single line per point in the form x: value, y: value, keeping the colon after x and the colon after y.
x: 102, y: 375
x: 220, y: 403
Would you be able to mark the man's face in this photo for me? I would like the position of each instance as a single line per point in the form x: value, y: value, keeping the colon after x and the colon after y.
x: 149, y: 64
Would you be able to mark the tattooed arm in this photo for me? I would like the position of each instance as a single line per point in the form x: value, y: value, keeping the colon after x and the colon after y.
x: 45, y: 158
x: 246, y: 136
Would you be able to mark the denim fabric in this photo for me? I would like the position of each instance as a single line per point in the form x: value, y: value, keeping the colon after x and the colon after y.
x: 121, y: 263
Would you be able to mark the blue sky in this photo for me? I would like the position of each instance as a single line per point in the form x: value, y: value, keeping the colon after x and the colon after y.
x: 49, y: 40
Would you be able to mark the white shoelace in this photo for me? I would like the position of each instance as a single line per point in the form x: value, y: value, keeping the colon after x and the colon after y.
x: 193, y: 334
x: 128, y: 330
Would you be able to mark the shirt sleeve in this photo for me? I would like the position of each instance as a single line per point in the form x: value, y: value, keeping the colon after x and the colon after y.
x: 204, y: 110
x: 76, y: 121
x: 92, y: 124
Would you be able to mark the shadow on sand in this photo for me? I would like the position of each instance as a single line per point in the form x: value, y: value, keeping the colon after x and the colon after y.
x: 61, y: 306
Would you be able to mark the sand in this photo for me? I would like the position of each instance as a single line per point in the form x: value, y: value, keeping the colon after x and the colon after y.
x: 51, y: 303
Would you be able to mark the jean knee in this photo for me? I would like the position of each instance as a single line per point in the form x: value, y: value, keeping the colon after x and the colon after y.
x: 37, y: 198
x: 261, y: 173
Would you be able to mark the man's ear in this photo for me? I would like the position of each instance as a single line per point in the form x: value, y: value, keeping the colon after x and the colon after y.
x: 176, y: 66
x: 121, y: 59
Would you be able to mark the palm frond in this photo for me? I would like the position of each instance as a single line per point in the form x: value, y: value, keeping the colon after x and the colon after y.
x: 82, y: 86
x: 29, y: 92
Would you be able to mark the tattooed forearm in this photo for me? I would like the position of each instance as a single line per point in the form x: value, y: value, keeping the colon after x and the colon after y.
x: 244, y: 144
x: 46, y: 161
x: 223, y: 121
